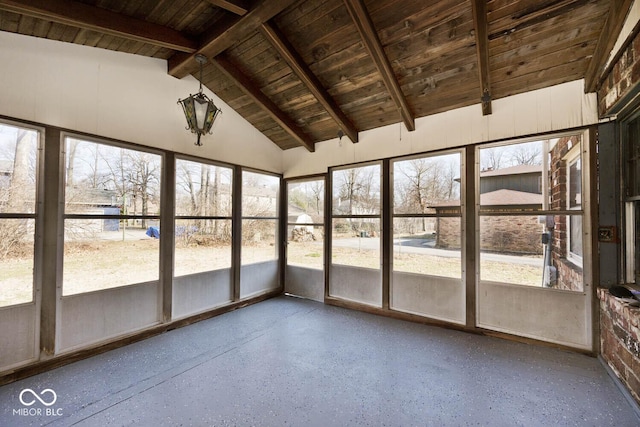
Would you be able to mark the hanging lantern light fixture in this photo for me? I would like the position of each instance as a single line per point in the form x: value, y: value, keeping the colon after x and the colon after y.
x: 199, y: 109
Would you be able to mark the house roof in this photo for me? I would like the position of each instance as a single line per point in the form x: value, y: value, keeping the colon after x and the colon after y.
x: 300, y: 70
x: 92, y: 197
x: 500, y: 198
x: 510, y: 197
x: 513, y: 170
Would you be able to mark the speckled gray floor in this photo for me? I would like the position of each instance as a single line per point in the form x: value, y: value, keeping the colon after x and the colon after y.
x: 291, y: 362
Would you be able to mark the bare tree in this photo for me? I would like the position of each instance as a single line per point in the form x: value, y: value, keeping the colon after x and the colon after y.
x: 450, y: 175
x: 185, y: 181
x: 72, y: 148
x: 426, y: 182
x: 491, y: 158
x: 526, y: 154
x: 20, y: 180
x: 317, y: 192
x: 17, y: 191
x: 359, y: 189
x: 142, y: 177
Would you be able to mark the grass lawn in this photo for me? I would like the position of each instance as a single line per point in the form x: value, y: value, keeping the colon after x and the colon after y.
x: 103, y: 264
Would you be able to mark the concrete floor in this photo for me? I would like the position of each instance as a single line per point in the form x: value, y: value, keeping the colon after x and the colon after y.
x: 291, y: 362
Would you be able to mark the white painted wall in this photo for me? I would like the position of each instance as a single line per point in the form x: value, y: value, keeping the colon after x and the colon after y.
x: 18, y: 337
x: 440, y: 298
x: 549, y: 315
x: 121, y: 96
x: 304, y: 282
x: 259, y: 278
x: 362, y: 285
x: 196, y: 293
x: 95, y: 317
x: 555, y: 108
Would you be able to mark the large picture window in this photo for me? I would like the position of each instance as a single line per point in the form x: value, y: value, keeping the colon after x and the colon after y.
x: 427, y: 216
x: 203, y: 217
x: 18, y: 200
x: 112, y: 207
x: 356, y: 212
x: 530, y: 225
x: 260, y: 196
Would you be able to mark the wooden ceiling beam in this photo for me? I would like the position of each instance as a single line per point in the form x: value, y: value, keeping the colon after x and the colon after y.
x: 618, y: 11
x: 239, y: 7
x: 369, y: 36
x: 223, y: 37
x: 482, y: 50
x: 300, y: 68
x: 80, y: 15
x: 254, y: 92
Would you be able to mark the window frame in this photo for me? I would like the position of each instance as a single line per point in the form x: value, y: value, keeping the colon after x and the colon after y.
x: 546, y: 210
x: 630, y: 162
x: 310, y: 178
x: 574, y: 155
x: 377, y: 216
x: 410, y: 215
x: 179, y: 217
x: 244, y: 217
x: 37, y: 214
x: 64, y: 136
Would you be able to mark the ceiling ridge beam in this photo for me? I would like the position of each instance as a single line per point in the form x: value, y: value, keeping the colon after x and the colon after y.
x: 239, y: 7
x: 280, y: 43
x: 371, y: 40
x: 618, y: 11
x: 254, y: 92
x: 221, y: 39
x: 83, y: 16
x: 482, y: 50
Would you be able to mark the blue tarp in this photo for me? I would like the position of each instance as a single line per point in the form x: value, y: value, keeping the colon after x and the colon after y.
x: 153, y: 232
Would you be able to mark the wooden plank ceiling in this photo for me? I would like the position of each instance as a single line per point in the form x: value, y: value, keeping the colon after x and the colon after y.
x: 301, y: 70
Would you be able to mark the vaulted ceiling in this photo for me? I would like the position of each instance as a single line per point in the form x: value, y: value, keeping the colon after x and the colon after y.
x: 302, y: 70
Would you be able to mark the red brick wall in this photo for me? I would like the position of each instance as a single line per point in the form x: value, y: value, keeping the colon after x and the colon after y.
x: 515, y: 234
x: 619, y: 323
x: 448, y: 233
x: 624, y: 74
x: 569, y: 275
x: 620, y: 340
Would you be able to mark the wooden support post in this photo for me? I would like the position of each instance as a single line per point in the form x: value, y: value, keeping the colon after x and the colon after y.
x: 282, y: 232
x: 592, y: 222
x: 167, y: 238
x: 236, y: 233
x: 387, y: 234
x: 328, y: 231
x: 53, y: 245
x: 469, y: 220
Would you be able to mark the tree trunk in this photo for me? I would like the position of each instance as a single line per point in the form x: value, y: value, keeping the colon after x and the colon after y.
x: 18, y: 189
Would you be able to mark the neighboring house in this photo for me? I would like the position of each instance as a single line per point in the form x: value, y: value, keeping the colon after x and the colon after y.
x: 259, y: 200
x: 517, y: 187
x: 524, y: 178
x: 93, y: 201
